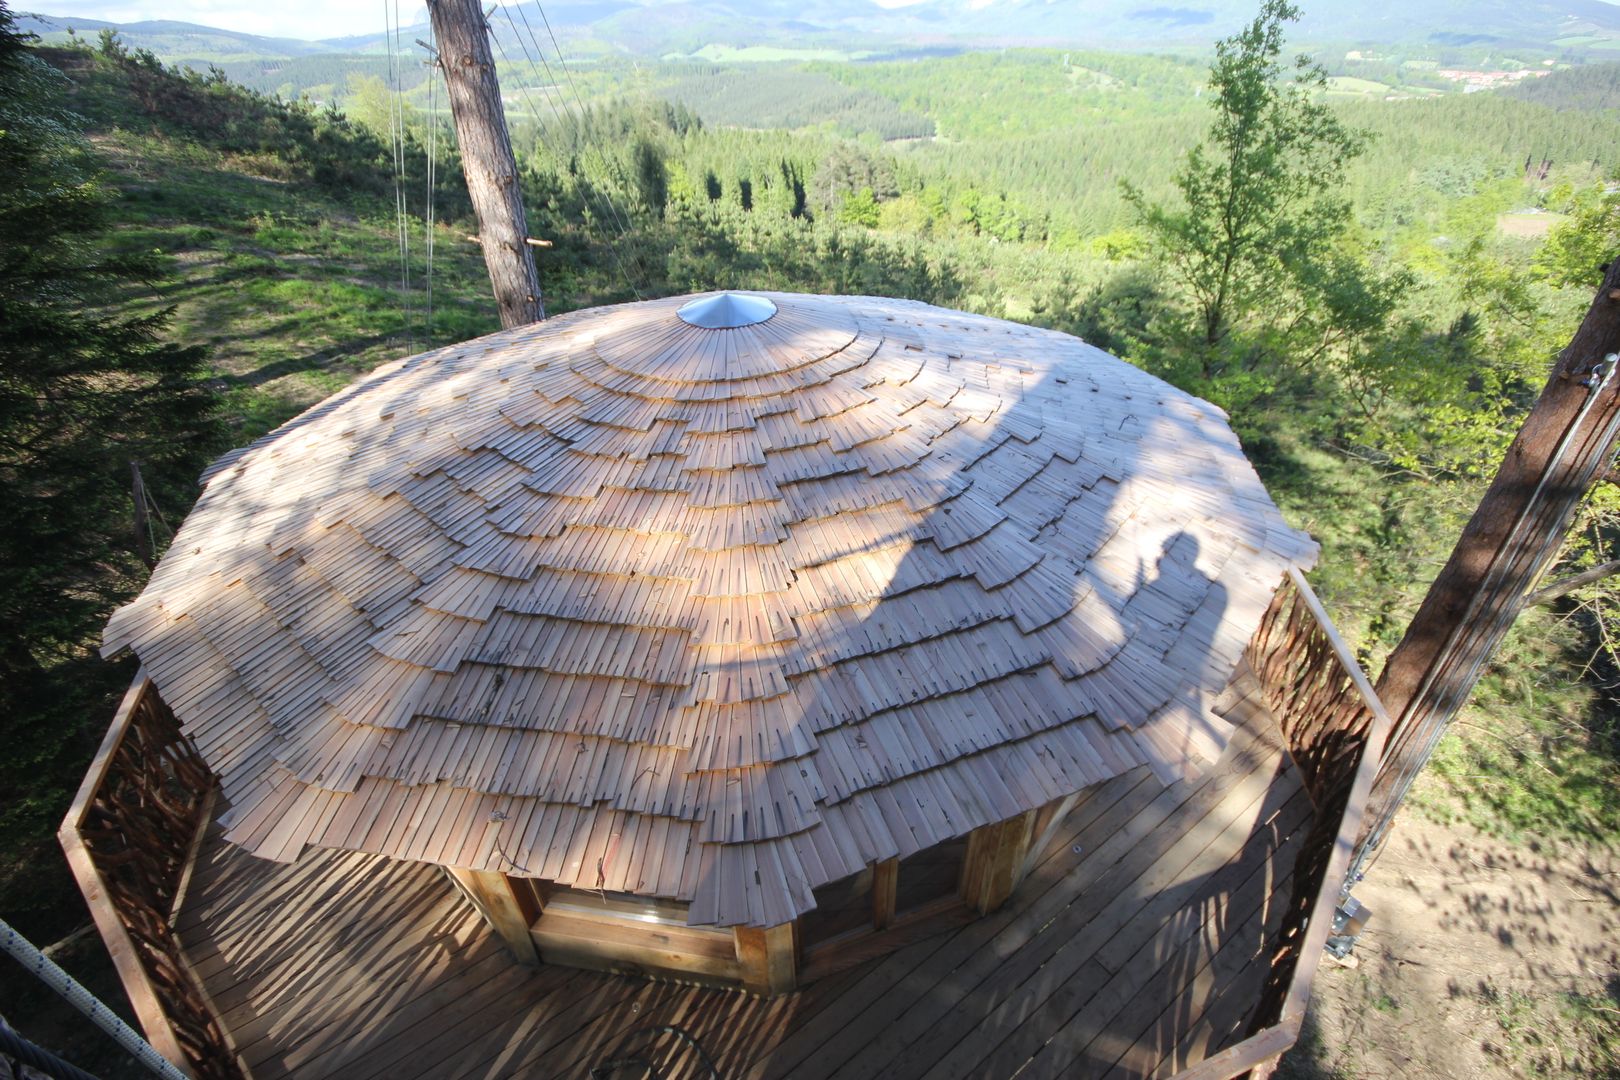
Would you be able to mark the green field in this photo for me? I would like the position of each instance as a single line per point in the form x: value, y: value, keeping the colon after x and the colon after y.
x: 1352, y: 86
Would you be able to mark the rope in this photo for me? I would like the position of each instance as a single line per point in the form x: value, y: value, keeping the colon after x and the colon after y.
x: 64, y: 984
x: 559, y: 107
x: 432, y: 180
x: 396, y: 133
x: 26, y: 1053
x: 573, y: 88
x: 607, y: 163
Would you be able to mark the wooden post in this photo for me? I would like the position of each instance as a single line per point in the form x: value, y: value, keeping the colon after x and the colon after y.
x: 1047, y: 822
x: 995, y: 853
x: 1514, y: 535
x: 486, y: 157
x: 768, y: 958
x: 885, y: 886
x: 509, y: 911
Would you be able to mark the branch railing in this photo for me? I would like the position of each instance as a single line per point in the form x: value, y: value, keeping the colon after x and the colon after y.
x: 1330, y: 716
x: 130, y: 837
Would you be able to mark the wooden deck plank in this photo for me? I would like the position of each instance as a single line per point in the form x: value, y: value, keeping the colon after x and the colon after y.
x: 1052, y: 964
x: 1118, y: 854
x: 349, y: 965
x: 895, y: 998
x: 1226, y: 1016
x: 1142, y: 1052
x: 297, y: 948
x: 444, y: 1009
x: 1225, y: 913
x: 292, y: 937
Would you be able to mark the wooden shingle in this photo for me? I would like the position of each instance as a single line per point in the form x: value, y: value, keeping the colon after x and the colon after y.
x: 719, y: 615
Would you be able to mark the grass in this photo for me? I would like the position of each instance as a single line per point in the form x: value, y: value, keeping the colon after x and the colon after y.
x: 1558, y: 1035
x: 1526, y: 224
x: 1350, y: 85
x: 294, y: 293
x: 1532, y: 760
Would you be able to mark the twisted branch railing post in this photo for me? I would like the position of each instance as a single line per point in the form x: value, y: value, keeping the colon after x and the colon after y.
x: 128, y: 837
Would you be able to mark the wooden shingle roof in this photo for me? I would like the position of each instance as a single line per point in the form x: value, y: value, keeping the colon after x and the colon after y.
x: 711, y: 614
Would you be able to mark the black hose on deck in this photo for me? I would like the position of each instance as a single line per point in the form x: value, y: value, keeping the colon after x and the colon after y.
x: 607, y: 1068
x: 24, y: 1052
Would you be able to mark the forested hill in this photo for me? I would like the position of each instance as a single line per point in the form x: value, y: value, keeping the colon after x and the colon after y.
x: 1592, y: 88
x: 1375, y: 356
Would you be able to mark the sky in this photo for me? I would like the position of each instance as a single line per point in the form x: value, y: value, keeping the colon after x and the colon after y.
x: 308, y: 19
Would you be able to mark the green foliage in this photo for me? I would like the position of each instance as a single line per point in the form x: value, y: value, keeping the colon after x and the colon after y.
x: 1529, y: 761
x: 861, y: 208
x: 1576, y: 252
x: 291, y: 141
x: 1018, y: 93
x: 1260, y: 221
x: 87, y: 385
x: 370, y: 103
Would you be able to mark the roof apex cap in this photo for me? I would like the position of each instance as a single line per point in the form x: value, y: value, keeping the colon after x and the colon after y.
x: 726, y: 311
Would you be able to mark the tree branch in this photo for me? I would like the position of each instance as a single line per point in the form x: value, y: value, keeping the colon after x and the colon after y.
x: 1565, y: 586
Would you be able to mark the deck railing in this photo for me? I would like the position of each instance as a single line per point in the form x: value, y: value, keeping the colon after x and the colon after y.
x: 131, y: 837
x: 1329, y: 715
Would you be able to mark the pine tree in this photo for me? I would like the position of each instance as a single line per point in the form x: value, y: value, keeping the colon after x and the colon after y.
x: 85, y: 388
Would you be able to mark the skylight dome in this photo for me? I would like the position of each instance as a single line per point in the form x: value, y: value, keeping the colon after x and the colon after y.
x: 726, y: 311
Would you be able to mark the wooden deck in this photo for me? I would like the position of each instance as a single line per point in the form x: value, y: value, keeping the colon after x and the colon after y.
x: 1134, y: 948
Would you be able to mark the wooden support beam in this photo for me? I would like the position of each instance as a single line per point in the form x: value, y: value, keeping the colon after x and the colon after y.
x: 768, y: 958
x: 508, y: 910
x: 885, y: 882
x: 1047, y: 821
x: 995, y: 854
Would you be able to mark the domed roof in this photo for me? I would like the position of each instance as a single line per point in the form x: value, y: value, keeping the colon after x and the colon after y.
x: 716, y: 614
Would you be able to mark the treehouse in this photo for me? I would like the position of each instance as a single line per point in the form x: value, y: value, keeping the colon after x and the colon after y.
x: 884, y: 690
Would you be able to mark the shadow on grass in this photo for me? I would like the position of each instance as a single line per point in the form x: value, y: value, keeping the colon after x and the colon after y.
x: 319, y: 360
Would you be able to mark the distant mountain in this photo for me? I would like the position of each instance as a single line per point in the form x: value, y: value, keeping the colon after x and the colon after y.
x: 176, y: 42
x: 1147, y: 22
x: 684, y: 27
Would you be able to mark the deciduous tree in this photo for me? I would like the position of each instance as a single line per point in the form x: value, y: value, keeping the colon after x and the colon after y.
x: 1260, y: 214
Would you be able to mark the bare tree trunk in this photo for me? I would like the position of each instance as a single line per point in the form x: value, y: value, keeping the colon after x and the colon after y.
x: 1517, y: 530
x: 486, y: 157
x: 143, y: 528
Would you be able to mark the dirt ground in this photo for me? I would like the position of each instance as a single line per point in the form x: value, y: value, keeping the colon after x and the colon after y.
x: 1482, y: 959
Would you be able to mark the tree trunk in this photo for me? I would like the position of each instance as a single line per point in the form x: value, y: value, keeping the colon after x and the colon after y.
x: 1515, y: 533
x: 486, y: 157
